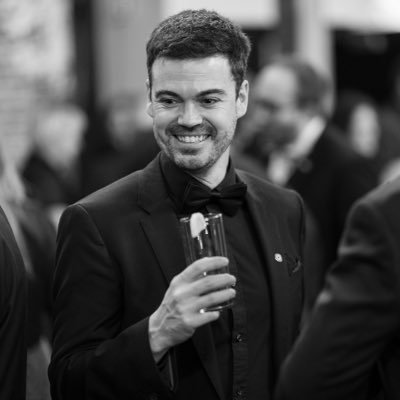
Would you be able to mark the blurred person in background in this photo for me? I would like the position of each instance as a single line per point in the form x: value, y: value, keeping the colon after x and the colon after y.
x: 53, y: 169
x: 390, y: 114
x: 36, y: 239
x: 350, y: 347
x: 124, y: 142
x: 242, y: 141
x: 360, y: 120
x: 13, y: 303
x: 390, y: 120
x: 300, y: 150
x: 357, y: 117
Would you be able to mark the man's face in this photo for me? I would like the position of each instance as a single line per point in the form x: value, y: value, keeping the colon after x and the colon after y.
x: 275, y: 116
x: 194, y: 108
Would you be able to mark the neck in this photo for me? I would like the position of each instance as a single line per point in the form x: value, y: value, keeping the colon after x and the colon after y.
x: 214, y: 175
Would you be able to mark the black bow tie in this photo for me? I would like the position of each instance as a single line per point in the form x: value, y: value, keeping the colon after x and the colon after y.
x: 229, y: 198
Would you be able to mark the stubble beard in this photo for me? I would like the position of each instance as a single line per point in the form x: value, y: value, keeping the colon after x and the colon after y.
x: 193, y: 161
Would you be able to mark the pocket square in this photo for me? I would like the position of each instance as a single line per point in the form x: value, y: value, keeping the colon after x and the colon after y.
x: 293, y: 264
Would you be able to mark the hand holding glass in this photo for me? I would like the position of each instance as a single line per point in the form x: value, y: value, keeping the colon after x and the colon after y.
x: 204, y: 236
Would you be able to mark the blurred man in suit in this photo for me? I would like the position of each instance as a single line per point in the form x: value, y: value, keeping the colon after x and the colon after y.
x: 300, y: 150
x: 52, y: 171
x: 12, y: 316
x: 350, y: 348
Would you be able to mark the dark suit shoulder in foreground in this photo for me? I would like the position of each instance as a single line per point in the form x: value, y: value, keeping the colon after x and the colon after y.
x: 354, y: 330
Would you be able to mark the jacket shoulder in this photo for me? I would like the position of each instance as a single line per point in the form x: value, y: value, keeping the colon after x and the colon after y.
x: 269, y: 191
x: 114, y: 194
x: 385, y: 199
x: 127, y: 190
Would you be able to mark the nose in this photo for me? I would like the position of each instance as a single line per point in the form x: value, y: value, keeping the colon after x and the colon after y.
x: 189, y: 115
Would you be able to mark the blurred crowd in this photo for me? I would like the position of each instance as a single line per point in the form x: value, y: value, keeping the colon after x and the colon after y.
x: 40, y: 176
x: 330, y: 147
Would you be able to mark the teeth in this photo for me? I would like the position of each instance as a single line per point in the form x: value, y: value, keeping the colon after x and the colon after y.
x: 191, y: 139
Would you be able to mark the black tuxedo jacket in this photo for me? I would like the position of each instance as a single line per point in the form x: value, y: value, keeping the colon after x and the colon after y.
x: 354, y: 329
x: 118, y: 249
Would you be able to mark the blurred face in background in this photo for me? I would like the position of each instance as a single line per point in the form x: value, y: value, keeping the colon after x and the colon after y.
x: 364, y: 130
x: 275, y: 117
x: 18, y: 146
x: 60, y: 136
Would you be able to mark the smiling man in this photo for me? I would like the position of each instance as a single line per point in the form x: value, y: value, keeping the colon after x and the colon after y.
x: 195, y: 108
x: 128, y: 320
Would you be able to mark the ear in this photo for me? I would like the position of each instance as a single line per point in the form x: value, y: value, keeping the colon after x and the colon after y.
x: 242, y: 99
x: 149, y: 107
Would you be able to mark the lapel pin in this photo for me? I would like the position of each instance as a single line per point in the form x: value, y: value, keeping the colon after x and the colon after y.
x: 278, y: 257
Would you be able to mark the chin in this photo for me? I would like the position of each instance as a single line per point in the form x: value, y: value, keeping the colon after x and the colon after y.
x: 191, y: 162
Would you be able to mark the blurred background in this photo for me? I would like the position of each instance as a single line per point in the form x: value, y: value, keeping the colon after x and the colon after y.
x: 91, y: 53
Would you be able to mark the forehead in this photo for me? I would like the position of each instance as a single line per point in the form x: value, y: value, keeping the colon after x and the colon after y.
x: 192, y: 74
x: 277, y: 84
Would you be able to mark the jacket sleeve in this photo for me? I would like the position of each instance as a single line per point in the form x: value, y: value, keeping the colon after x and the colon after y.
x: 354, y: 318
x: 94, y: 356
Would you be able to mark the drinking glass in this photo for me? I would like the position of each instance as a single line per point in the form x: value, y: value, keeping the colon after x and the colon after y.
x: 204, y: 236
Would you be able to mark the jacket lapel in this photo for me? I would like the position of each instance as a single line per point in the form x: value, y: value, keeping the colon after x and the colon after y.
x: 268, y: 230
x: 161, y: 226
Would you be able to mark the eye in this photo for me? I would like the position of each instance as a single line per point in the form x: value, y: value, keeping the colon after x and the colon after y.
x: 209, y: 101
x: 167, y: 101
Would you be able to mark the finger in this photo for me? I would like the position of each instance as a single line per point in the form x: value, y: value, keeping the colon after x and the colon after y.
x: 186, y: 295
x: 212, y: 283
x: 205, y: 317
x: 202, y: 266
x: 213, y: 299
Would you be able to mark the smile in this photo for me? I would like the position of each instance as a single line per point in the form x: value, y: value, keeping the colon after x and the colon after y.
x: 192, y: 138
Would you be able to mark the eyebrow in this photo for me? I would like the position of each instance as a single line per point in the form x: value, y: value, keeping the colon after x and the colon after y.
x: 203, y: 93
x: 165, y: 93
x: 211, y: 91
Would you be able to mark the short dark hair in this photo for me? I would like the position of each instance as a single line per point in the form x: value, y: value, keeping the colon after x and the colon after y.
x: 198, y: 34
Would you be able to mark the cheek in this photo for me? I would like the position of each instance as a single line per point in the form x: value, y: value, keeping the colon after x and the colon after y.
x: 224, y: 118
x: 285, y: 123
x: 161, y: 120
x: 287, y: 118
